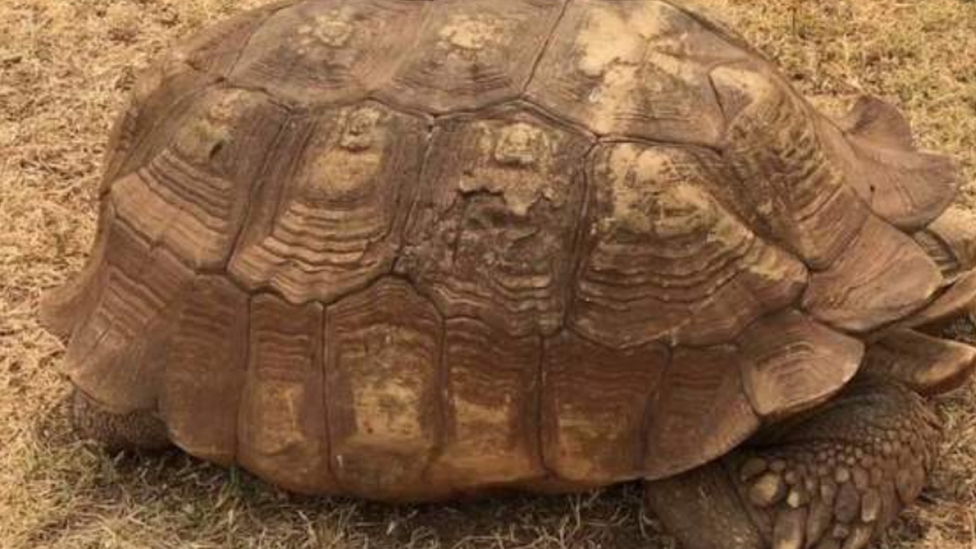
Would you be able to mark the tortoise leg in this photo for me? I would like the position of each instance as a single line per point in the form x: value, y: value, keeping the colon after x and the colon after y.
x: 831, y: 480
x: 117, y: 432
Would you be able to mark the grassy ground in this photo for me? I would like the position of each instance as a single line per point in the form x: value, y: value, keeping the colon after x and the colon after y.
x: 64, y: 68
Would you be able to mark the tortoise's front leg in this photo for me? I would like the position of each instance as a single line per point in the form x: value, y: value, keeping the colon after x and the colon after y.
x: 132, y: 431
x: 832, y: 480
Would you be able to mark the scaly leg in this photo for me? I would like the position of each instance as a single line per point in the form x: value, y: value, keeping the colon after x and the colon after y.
x: 831, y: 480
x: 132, y: 431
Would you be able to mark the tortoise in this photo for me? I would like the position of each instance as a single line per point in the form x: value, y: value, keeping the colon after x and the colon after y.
x: 410, y: 251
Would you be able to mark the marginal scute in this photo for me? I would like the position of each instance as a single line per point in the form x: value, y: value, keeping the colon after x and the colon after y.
x: 384, y: 376
x: 906, y: 187
x: 881, y: 277
x: 951, y: 241
x: 192, y: 196
x: 493, y: 231
x: 471, y: 53
x: 595, y: 406
x: 793, y: 363
x: 874, y: 120
x: 282, y: 431
x: 63, y: 309
x: 633, y: 68
x: 928, y: 365
x: 205, y: 370
x: 663, y: 260
x: 315, y: 53
x: 783, y: 170
x: 492, y: 390
x: 955, y: 301
x: 329, y: 218
x: 700, y: 414
x: 115, y: 355
x: 941, y: 254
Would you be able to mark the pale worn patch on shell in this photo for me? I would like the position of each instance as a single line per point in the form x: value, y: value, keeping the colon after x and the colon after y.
x: 520, y: 169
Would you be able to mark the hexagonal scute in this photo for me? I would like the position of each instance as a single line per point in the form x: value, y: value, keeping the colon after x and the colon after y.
x: 663, y: 260
x: 634, y: 68
x: 329, y: 215
x: 472, y: 53
x: 326, y: 52
x: 193, y: 194
x: 493, y: 232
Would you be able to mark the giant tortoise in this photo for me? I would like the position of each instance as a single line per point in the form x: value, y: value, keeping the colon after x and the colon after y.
x: 414, y: 250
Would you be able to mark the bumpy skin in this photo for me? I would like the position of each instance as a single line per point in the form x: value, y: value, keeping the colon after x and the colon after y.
x: 139, y: 430
x: 833, y: 480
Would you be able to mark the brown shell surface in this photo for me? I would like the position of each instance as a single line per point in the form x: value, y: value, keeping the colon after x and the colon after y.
x: 405, y: 250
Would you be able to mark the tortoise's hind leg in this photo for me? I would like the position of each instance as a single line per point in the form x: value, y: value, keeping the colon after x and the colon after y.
x: 117, y: 432
x: 832, y: 480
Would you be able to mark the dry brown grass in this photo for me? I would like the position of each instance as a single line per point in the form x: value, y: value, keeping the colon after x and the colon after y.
x: 64, y: 67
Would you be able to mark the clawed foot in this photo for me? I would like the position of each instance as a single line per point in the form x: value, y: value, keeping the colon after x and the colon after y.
x: 835, y: 480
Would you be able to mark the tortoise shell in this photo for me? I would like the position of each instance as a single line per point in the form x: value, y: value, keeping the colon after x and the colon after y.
x: 405, y: 249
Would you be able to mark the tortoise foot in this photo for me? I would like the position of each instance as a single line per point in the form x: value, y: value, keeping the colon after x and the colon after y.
x: 832, y: 480
x: 117, y: 432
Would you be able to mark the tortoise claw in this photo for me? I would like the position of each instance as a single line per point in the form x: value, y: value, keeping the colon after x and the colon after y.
x: 835, y: 480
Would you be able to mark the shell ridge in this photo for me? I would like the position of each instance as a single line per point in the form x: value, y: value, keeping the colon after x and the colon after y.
x: 662, y: 196
x: 545, y: 46
x: 267, y: 14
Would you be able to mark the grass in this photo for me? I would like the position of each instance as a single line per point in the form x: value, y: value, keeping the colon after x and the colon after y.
x: 64, y: 71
